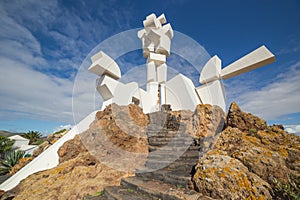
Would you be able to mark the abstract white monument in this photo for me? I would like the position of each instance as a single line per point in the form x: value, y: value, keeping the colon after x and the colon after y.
x: 179, y: 91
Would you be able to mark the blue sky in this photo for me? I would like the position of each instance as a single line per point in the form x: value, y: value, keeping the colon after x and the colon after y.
x: 43, y: 45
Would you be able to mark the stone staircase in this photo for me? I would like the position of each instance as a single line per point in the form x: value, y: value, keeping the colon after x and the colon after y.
x: 167, y: 172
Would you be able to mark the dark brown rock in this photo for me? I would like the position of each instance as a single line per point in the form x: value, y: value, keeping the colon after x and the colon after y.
x: 244, y: 121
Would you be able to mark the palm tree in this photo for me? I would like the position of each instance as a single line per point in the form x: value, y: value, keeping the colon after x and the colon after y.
x: 5, y: 145
x: 34, y: 137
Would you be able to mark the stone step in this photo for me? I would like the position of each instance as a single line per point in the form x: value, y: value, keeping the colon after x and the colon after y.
x: 155, y: 164
x: 125, y: 193
x: 158, y: 189
x: 152, y: 148
x: 177, y: 138
x: 172, y: 155
x: 180, y: 178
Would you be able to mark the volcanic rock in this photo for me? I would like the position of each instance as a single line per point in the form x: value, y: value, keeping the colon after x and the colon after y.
x: 85, y: 161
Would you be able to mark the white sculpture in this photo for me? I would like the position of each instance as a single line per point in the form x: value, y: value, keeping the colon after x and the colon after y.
x: 180, y: 91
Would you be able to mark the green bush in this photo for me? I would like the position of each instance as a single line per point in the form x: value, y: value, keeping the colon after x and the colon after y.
x: 289, y: 190
x: 58, y: 132
x: 10, y: 160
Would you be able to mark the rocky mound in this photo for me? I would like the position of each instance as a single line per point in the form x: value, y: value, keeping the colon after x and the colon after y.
x: 80, y: 171
x: 240, y: 157
x: 250, y: 160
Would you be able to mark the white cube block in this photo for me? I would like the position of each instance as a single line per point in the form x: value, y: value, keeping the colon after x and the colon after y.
x: 141, y: 33
x: 157, y: 58
x: 167, y: 29
x: 162, y: 19
x: 106, y: 87
x: 152, y: 23
x: 104, y: 65
x: 211, y: 71
x: 162, y: 73
x: 154, y: 35
x: 151, y: 16
x: 164, y: 46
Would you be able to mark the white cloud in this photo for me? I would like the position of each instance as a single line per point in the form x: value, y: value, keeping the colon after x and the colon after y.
x: 39, y: 44
x: 25, y: 91
x: 292, y: 129
x: 279, y: 98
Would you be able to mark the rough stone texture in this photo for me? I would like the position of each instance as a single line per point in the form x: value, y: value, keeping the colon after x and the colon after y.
x: 21, y: 163
x: 71, y: 149
x: 51, y: 139
x: 72, y: 179
x: 246, y: 158
x: 244, y: 121
x: 205, y: 121
x: 80, y: 171
x: 224, y: 177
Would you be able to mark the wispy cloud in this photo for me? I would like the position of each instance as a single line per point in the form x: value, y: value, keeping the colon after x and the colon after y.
x: 42, y: 47
x: 293, y: 129
x: 276, y: 99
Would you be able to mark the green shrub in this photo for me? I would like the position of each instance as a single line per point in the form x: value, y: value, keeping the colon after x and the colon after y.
x: 10, y: 160
x: 252, y: 130
x: 58, y: 132
x: 289, y: 190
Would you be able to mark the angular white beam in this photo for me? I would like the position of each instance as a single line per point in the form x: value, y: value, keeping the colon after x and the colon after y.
x: 257, y: 58
x: 104, y: 65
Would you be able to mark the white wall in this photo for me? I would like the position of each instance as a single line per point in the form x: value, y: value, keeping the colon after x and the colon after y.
x: 49, y: 158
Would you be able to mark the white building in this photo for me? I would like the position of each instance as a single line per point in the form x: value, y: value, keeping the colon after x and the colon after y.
x: 22, y: 144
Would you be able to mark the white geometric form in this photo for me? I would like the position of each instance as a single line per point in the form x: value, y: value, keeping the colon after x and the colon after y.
x: 157, y: 58
x: 212, y: 93
x: 152, y: 22
x: 102, y: 64
x: 168, y: 31
x: 211, y: 70
x: 164, y: 46
x: 151, y: 72
x: 257, y: 58
x: 163, y: 94
x: 162, y: 19
x: 48, y: 158
x: 148, y: 46
x: 181, y: 93
x: 106, y: 87
x: 162, y: 73
x: 154, y: 35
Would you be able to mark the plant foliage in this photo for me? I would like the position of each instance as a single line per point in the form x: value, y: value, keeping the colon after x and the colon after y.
x: 10, y: 160
x: 34, y: 137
